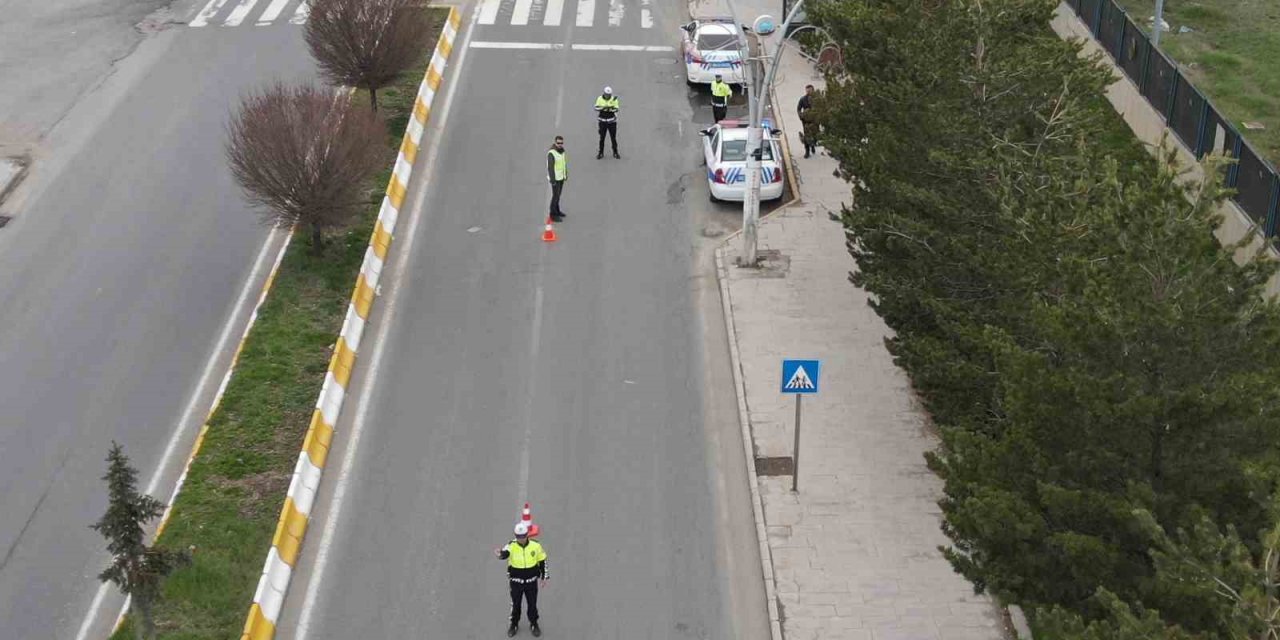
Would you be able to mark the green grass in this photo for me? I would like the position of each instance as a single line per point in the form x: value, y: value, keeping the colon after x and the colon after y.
x: 229, y: 506
x: 1232, y: 55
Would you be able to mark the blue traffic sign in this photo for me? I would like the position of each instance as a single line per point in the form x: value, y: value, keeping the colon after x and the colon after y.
x: 800, y: 376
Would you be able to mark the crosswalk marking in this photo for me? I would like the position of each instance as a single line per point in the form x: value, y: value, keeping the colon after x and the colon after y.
x: 300, y: 15
x: 520, y: 16
x: 646, y: 16
x: 617, y: 11
x: 552, y: 17
x: 272, y: 12
x: 207, y: 12
x: 586, y: 12
x: 489, y: 11
x: 238, y: 14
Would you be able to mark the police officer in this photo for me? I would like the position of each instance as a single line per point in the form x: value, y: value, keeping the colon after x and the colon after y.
x: 720, y: 94
x: 526, y: 566
x: 557, y: 173
x: 607, y: 120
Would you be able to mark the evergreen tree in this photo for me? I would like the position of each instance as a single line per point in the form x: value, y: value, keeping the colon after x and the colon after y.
x: 136, y: 568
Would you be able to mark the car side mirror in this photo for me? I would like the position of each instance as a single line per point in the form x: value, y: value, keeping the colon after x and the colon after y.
x: 704, y: 132
x: 689, y: 27
x: 776, y: 132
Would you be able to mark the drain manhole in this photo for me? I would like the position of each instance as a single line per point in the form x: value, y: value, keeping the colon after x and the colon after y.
x: 665, y: 60
x: 4, y: 220
x: 774, y: 466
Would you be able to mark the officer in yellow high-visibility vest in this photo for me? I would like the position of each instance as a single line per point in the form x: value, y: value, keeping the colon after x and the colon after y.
x: 720, y: 94
x: 526, y: 567
x: 557, y: 173
x: 607, y: 106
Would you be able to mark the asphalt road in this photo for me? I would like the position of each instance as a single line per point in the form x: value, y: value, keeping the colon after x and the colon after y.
x: 587, y: 376
x: 121, y: 268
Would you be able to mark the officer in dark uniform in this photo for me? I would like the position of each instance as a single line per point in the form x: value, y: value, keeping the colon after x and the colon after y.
x: 526, y: 566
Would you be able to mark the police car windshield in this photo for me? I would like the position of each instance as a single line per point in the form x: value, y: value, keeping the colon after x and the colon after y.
x: 736, y: 151
x: 717, y: 42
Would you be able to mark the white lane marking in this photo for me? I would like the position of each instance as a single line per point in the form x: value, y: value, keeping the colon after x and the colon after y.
x: 586, y: 12
x: 489, y: 11
x: 239, y: 13
x: 616, y: 11
x: 300, y: 16
x: 552, y: 16
x: 272, y: 12
x: 520, y: 16
x: 182, y: 430
x: 646, y: 16
x: 620, y: 47
x: 480, y: 44
x: 535, y: 341
x: 375, y: 360
x: 207, y: 12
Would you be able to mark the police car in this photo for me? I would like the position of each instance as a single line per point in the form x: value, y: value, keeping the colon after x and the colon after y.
x: 724, y: 147
x: 711, y: 46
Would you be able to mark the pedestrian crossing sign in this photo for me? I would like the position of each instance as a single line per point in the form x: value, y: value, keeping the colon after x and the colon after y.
x: 800, y: 376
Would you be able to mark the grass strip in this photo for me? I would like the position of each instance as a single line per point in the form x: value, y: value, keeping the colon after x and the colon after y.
x: 1230, y: 53
x: 228, y: 508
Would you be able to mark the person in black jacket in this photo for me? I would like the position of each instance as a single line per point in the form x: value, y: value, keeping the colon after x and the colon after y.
x: 557, y: 174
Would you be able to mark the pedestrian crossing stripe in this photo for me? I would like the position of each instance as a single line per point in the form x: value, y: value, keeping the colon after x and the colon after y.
x: 799, y: 381
x: 233, y: 13
x: 550, y: 13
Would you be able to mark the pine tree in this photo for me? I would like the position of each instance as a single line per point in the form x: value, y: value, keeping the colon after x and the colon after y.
x: 136, y: 568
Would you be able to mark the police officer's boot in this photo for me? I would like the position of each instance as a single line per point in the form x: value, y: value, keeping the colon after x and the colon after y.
x: 535, y: 629
x: 511, y: 630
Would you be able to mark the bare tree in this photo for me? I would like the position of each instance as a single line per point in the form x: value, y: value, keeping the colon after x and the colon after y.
x: 304, y: 154
x: 366, y: 43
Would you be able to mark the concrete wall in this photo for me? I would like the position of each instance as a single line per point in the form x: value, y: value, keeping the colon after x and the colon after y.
x: 1149, y: 126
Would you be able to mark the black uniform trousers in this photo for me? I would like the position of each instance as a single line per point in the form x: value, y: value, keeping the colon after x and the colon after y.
x: 610, y: 128
x: 556, y: 187
x: 528, y: 591
x: 719, y: 111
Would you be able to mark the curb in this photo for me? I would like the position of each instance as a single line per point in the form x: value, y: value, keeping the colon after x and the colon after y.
x: 757, y: 503
x: 294, y: 516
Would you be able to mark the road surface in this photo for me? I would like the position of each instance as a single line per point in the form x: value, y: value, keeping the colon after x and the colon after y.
x: 587, y: 376
x: 123, y: 264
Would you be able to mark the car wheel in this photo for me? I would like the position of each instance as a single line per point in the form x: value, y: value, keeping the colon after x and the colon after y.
x: 711, y: 195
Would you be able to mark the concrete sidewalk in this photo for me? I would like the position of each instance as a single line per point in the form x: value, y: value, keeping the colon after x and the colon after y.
x: 855, y: 553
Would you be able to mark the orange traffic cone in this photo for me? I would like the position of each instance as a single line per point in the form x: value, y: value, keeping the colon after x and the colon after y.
x: 548, y: 235
x: 526, y: 516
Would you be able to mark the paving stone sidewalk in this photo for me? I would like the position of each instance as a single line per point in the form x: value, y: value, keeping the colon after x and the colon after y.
x: 855, y: 552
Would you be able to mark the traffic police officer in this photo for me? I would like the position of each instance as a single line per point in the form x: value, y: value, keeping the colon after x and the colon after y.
x: 607, y: 120
x: 526, y: 565
x: 557, y: 173
x: 720, y: 94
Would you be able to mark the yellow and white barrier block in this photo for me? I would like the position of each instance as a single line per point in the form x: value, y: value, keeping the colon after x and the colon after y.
x: 287, y: 542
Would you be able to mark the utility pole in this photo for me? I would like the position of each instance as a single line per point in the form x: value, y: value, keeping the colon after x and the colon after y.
x: 750, y: 213
x: 758, y: 104
x: 1159, y: 22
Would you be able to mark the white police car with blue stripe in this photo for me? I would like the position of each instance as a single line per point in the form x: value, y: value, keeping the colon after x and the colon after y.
x: 724, y: 147
x: 712, y: 46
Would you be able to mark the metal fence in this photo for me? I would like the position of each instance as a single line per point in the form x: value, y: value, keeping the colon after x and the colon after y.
x: 1187, y: 112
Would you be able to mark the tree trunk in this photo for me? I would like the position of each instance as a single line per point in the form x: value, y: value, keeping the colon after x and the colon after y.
x: 144, y: 628
x: 317, y: 240
x: 373, y: 98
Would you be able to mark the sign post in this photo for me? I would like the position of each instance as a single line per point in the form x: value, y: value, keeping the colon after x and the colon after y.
x: 799, y: 377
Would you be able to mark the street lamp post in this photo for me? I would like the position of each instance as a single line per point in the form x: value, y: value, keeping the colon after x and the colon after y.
x: 757, y: 105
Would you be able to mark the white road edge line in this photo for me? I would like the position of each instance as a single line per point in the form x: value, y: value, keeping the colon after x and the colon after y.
x: 620, y: 47
x: 480, y: 44
x: 183, y: 430
x: 375, y: 360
